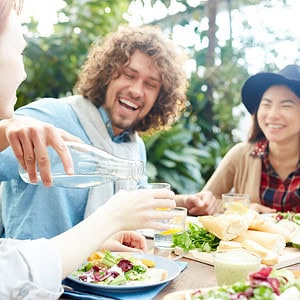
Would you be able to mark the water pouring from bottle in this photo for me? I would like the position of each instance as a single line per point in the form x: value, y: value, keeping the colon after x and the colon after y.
x: 92, y: 166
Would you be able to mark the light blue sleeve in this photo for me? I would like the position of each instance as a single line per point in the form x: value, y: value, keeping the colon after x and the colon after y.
x: 49, y: 110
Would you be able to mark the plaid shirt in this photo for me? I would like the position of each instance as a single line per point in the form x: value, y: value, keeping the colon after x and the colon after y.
x: 283, y: 195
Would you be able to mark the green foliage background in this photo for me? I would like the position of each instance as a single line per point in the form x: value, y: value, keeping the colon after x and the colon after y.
x: 187, y: 154
x: 52, y: 62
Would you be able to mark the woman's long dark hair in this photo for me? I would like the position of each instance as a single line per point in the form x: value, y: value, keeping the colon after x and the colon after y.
x: 255, y: 133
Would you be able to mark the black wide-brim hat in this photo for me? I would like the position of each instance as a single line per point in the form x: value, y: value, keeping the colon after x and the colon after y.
x: 255, y: 86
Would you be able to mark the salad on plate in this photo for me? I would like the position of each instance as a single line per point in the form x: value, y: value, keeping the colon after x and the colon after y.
x: 113, y: 269
x: 265, y: 284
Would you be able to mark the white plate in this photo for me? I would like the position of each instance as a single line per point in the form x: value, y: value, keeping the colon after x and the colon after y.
x: 170, y: 266
x: 269, y: 216
x: 149, y: 233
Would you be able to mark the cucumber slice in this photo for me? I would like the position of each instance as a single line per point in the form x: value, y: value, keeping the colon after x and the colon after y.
x: 295, y: 240
x: 296, y: 219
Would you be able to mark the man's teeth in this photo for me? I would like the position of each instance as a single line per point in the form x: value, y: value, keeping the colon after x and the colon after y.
x: 274, y: 126
x: 128, y: 103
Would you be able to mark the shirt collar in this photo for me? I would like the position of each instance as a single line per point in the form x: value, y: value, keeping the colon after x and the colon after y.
x: 120, y: 138
x: 260, y: 149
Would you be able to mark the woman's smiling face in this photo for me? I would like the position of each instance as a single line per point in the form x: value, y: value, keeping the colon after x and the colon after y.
x: 278, y: 114
x: 12, y: 72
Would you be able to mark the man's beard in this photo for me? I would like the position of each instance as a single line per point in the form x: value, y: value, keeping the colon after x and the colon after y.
x: 122, y: 123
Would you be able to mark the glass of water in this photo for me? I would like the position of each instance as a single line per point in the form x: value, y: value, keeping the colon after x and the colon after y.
x: 164, y: 239
x: 155, y: 185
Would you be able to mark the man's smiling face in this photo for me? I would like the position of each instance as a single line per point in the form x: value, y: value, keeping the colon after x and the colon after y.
x: 130, y: 97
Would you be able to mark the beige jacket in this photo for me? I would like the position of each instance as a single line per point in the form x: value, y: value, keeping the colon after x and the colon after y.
x: 239, y: 172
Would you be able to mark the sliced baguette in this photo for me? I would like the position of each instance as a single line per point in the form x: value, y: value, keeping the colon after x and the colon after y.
x: 255, y: 219
x: 268, y: 257
x: 225, y: 227
x: 228, y: 245
x: 269, y: 226
x: 272, y: 241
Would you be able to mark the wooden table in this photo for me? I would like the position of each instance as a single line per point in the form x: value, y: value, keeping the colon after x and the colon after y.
x: 196, y: 275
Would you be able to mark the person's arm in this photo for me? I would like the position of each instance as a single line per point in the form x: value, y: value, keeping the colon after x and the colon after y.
x: 31, y: 268
x: 29, y: 139
x: 126, y: 241
x: 262, y: 208
x: 139, y: 211
x: 208, y: 201
x: 34, y: 267
x: 198, y: 204
x: 222, y: 180
x: 38, y: 266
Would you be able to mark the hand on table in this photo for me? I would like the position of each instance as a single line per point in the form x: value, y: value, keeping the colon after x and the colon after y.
x: 29, y: 138
x: 202, y: 203
x: 262, y: 209
x: 128, y: 241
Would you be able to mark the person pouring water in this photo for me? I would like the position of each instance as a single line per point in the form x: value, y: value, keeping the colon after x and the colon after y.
x: 33, y: 269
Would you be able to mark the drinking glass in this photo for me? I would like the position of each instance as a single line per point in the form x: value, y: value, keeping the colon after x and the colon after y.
x: 236, y: 202
x: 163, y: 239
x: 234, y: 265
x: 155, y: 185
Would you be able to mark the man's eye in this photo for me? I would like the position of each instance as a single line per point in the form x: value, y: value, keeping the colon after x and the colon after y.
x: 151, y: 85
x: 129, y: 75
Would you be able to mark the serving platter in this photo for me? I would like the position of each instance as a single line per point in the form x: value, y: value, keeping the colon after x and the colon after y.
x: 170, y: 266
x: 289, y: 257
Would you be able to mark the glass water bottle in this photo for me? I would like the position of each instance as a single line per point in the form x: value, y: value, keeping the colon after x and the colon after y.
x: 92, y: 166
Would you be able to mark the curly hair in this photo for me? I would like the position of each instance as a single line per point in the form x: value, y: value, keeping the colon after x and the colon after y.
x: 107, y: 58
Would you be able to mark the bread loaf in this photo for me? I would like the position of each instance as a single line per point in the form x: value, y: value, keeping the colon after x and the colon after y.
x: 225, y: 227
x: 255, y: 219
x: 272, y: 241
x: 269, y: 226
x: 228, y: 245
x: 268, y: 257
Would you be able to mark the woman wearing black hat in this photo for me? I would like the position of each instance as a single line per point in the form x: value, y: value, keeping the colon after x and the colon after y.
x: 267, y: 166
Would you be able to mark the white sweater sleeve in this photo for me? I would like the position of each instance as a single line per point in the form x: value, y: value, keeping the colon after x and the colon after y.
x: 30, y: 269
